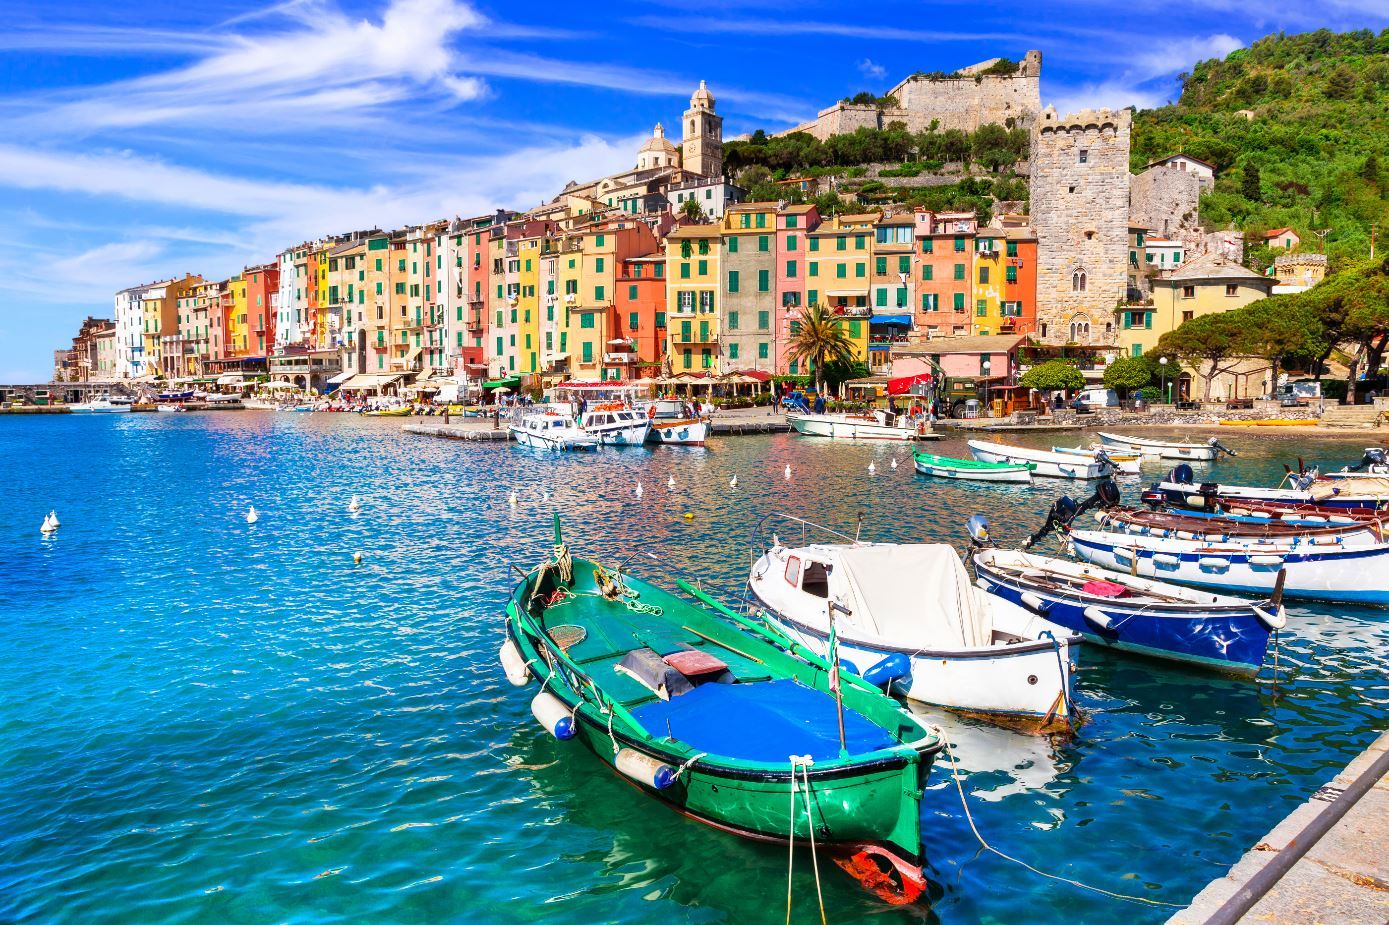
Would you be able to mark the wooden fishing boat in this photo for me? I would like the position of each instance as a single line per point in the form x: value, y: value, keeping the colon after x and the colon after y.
x: 1129, y: 614
x: 1315, y: 571
x: 718, y: 717
x: 1123, y: 463
x: 398, y: 412
x: 947, y: 467
x: 878, y: 425
x: 1296, y: 513
x: 1178, y: 490
x: 935, y: 638
x: 1213, y: 528
x: 1043, y: 462
x: 1167, y: 449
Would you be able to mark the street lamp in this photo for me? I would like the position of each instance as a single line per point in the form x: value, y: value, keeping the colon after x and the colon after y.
x: 984, y: 367
x: 1162, y: 362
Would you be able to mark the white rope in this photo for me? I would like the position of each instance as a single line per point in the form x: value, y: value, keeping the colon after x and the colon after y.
x: 612, y: 737
x: 806, y: 762
x: 684, y: 767
x: 988, y: 847
x: 791, y: 842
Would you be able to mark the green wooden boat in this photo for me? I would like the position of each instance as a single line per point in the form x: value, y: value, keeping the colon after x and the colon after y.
x: 705, y: 709
x: 948, y: 467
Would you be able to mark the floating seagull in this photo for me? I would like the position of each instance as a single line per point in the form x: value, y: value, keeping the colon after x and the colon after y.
x: 872, y: 468
x: 894, y: 462
x: 787, y: 472
x: 733, y: 482
x: 356, y: 558
x: 251, y: 515
x: 354, y: 506
x: 512, y: 499
x: 48, y: 526
x: 545, y: 498
x: 53, y: 518
x: 670, y: 483
x: 638, y: 490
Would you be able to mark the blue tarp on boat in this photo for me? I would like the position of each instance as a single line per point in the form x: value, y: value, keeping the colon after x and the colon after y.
x: 761, y: 721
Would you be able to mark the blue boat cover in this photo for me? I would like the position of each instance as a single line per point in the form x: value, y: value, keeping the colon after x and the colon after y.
x: 761, y: 721
x: 903, y: 320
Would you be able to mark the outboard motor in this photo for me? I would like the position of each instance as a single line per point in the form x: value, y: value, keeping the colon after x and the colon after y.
x: 1215, y: 442
x: 1374, y: 460
x: 1181, y: 474
x: 1062, y: 512
x: 978, y: 527
x: 1154, y: 497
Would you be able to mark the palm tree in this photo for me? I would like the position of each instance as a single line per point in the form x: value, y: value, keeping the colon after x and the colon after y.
x: 821, y: 340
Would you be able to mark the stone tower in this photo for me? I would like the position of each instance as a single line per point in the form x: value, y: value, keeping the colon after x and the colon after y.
x: 1080, y: 210
x: 702, y: 147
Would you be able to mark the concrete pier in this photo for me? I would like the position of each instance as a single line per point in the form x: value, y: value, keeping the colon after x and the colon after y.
x: 475, y: 430
x: 1341, y: 873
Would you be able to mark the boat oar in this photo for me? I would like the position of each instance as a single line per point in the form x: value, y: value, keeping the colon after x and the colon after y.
x: 1277, y: 599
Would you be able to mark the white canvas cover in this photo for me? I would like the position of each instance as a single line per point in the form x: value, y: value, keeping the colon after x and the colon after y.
x: 914, y: 595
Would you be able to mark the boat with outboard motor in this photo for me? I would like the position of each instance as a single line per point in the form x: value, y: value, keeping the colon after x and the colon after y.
x: 722, y: 717
x: 972, y: 470
x: 1167, y: 449
x: 548, y: 429
x: 1043, y: 462
x: 1127, y: 613
x: 1178, y: 490
x: 1123, y: 463
x: 907, y: 613
x: 1291, y: 513
x: 1211, y: 528
x: 877, y: 425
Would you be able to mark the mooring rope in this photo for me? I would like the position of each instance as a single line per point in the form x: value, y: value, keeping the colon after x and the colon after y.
x: 1007, y: 857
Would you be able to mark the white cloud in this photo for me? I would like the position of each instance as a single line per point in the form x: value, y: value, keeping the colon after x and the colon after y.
x: 1172, y: 56
x: 1143, y: 77
x: 868, y: 69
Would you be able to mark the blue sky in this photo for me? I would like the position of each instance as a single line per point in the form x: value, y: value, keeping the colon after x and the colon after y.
x: 142, y: 140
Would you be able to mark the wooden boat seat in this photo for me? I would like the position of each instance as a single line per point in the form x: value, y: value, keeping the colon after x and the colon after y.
x: 762, y: 721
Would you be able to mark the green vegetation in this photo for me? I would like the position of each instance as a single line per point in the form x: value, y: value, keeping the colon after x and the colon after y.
x: 1311, y: 157
x: 1126, y: 374
x: 822, y: 340
x: 1052, y: 375
x: 887, y: 101
x: 993, y: 146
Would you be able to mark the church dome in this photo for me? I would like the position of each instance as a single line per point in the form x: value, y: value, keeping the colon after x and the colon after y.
x: 702, y: 98
x: 657, y: 151
x: 657, y: 143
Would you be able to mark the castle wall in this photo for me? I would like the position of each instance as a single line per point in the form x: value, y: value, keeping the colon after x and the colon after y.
x: 1165, y: 200
x: 1080, y: 212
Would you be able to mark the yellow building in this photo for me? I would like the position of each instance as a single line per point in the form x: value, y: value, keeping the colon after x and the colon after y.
x: 692, y: 285
x: 989, y: 246
x: 238, y: 324
x: 528, y: 254
x: 1204, y: 286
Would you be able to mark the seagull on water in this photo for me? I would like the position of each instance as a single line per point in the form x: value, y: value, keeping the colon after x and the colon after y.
x: 733, y: 482
x: 787, y: 472
x: 53, y: 519
x: 251, y: 515
x: 872, y: 468
x: 894, y: 462
x: 48, y: 525
x: 638, y: 490
x: 354, y: 505
x: 670, y: 482
x: 512, y: 499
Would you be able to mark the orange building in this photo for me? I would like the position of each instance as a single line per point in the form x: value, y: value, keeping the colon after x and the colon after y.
x: 1019, y: 282
x: 641, y: 310
x: 943, y: 270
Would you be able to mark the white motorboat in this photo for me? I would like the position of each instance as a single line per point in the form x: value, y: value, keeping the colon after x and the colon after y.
x: 1316, y: 569
x: 616, y: 424
x: 879, y: 425
x: 551, y: 430
x: 1124, y: 463
x: 907, y: 615
x: 1167, y: 449
x: 1044, y: 462
x: 170, y: 409
x: 672, y: 422
x: 103, y: 405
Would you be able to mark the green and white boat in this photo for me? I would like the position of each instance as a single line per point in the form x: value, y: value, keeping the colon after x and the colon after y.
x: 947, y: 467
x: 717, y: 714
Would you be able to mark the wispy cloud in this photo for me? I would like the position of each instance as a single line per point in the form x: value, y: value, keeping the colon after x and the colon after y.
x: 845, y: 29
x: 1145, y: 79
x: 873, y: 71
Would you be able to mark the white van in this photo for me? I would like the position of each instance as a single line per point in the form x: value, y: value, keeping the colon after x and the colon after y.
x: 1099, y: 397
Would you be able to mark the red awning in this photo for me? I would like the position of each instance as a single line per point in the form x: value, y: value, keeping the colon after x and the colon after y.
x: 904, y: 384
x: 758, y: 374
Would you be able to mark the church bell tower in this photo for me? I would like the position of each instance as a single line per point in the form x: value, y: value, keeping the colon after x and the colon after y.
x: 702, y: 144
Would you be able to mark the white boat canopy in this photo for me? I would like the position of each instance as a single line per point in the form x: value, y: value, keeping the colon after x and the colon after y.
x: 915, y: 594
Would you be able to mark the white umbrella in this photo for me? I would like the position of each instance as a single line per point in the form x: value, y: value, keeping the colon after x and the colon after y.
x: 279, y: 385
x: 501, y: 390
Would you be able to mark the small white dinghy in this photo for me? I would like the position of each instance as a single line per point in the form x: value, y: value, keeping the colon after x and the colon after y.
x: 1123, y: 463
x: 1044, y: 462
x: 907, y: 615
x: 1167, y: 449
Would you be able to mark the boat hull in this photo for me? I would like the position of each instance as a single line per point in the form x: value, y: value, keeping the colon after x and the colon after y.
x: 849, y: 428
x: 692, y: 432
x: 1123, y: 464
x: 1230, y: 639
x: 544, y: 441
x: 1161, y: 449
x: 1210, y: 495
x: 1017, y: 475
x: 623, y: 435
x: 1044, y: 463
x: 1353, y: 574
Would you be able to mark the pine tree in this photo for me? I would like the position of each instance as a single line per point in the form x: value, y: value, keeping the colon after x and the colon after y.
x: 1251, y: 186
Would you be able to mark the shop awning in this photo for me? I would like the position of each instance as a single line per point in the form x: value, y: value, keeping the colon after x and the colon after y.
x: 369, y: 381
x: 231, y: 379
x: 904, y: 384
x: 510, y: 382
x: 904, y: 320
x: 340, y: 377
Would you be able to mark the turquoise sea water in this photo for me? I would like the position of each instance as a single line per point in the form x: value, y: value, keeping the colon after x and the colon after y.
x: 205, y: 721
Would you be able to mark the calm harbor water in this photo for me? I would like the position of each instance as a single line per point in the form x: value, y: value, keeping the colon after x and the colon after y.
x: 205, y: 721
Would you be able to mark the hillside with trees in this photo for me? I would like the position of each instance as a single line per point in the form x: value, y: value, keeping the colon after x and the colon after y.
x: 1298, y: 129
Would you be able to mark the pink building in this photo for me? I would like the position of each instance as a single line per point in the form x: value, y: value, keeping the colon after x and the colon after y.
x: 792, y: 223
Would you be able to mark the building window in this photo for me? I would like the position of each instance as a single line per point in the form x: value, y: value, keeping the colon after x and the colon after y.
x: 959, y: 271
x: 763, y: 320
x: 981, y: 308
x: 733, y: 351
x: 1231, y: 289
x: 983, y: 274
x: 703, y: 268
x: 732, y: 280
x: 706, y: 358
x: 1012, y: 248
x: 880, y: 265
x: 1078, y: 281
x: 790, y: 269
x: 959, y: 305
x: 586, y: 320
x: 927, y: 271
x: 733, y: 321
x: 762, y: 242
x: 1010, y: 274
x: 1188, y: 292
x: 1084, y: 156
x: 790, y: 242
x: 763, y: 280
x: 732, y: 244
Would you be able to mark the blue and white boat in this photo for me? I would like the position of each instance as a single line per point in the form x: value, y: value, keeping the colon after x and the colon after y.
x: 1316, y: 570
x: 1130, y: 614
x: 1178, y: 490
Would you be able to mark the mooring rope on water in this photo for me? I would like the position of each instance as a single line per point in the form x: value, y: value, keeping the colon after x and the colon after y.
x: 955, y: 774
x: 803, y: 762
